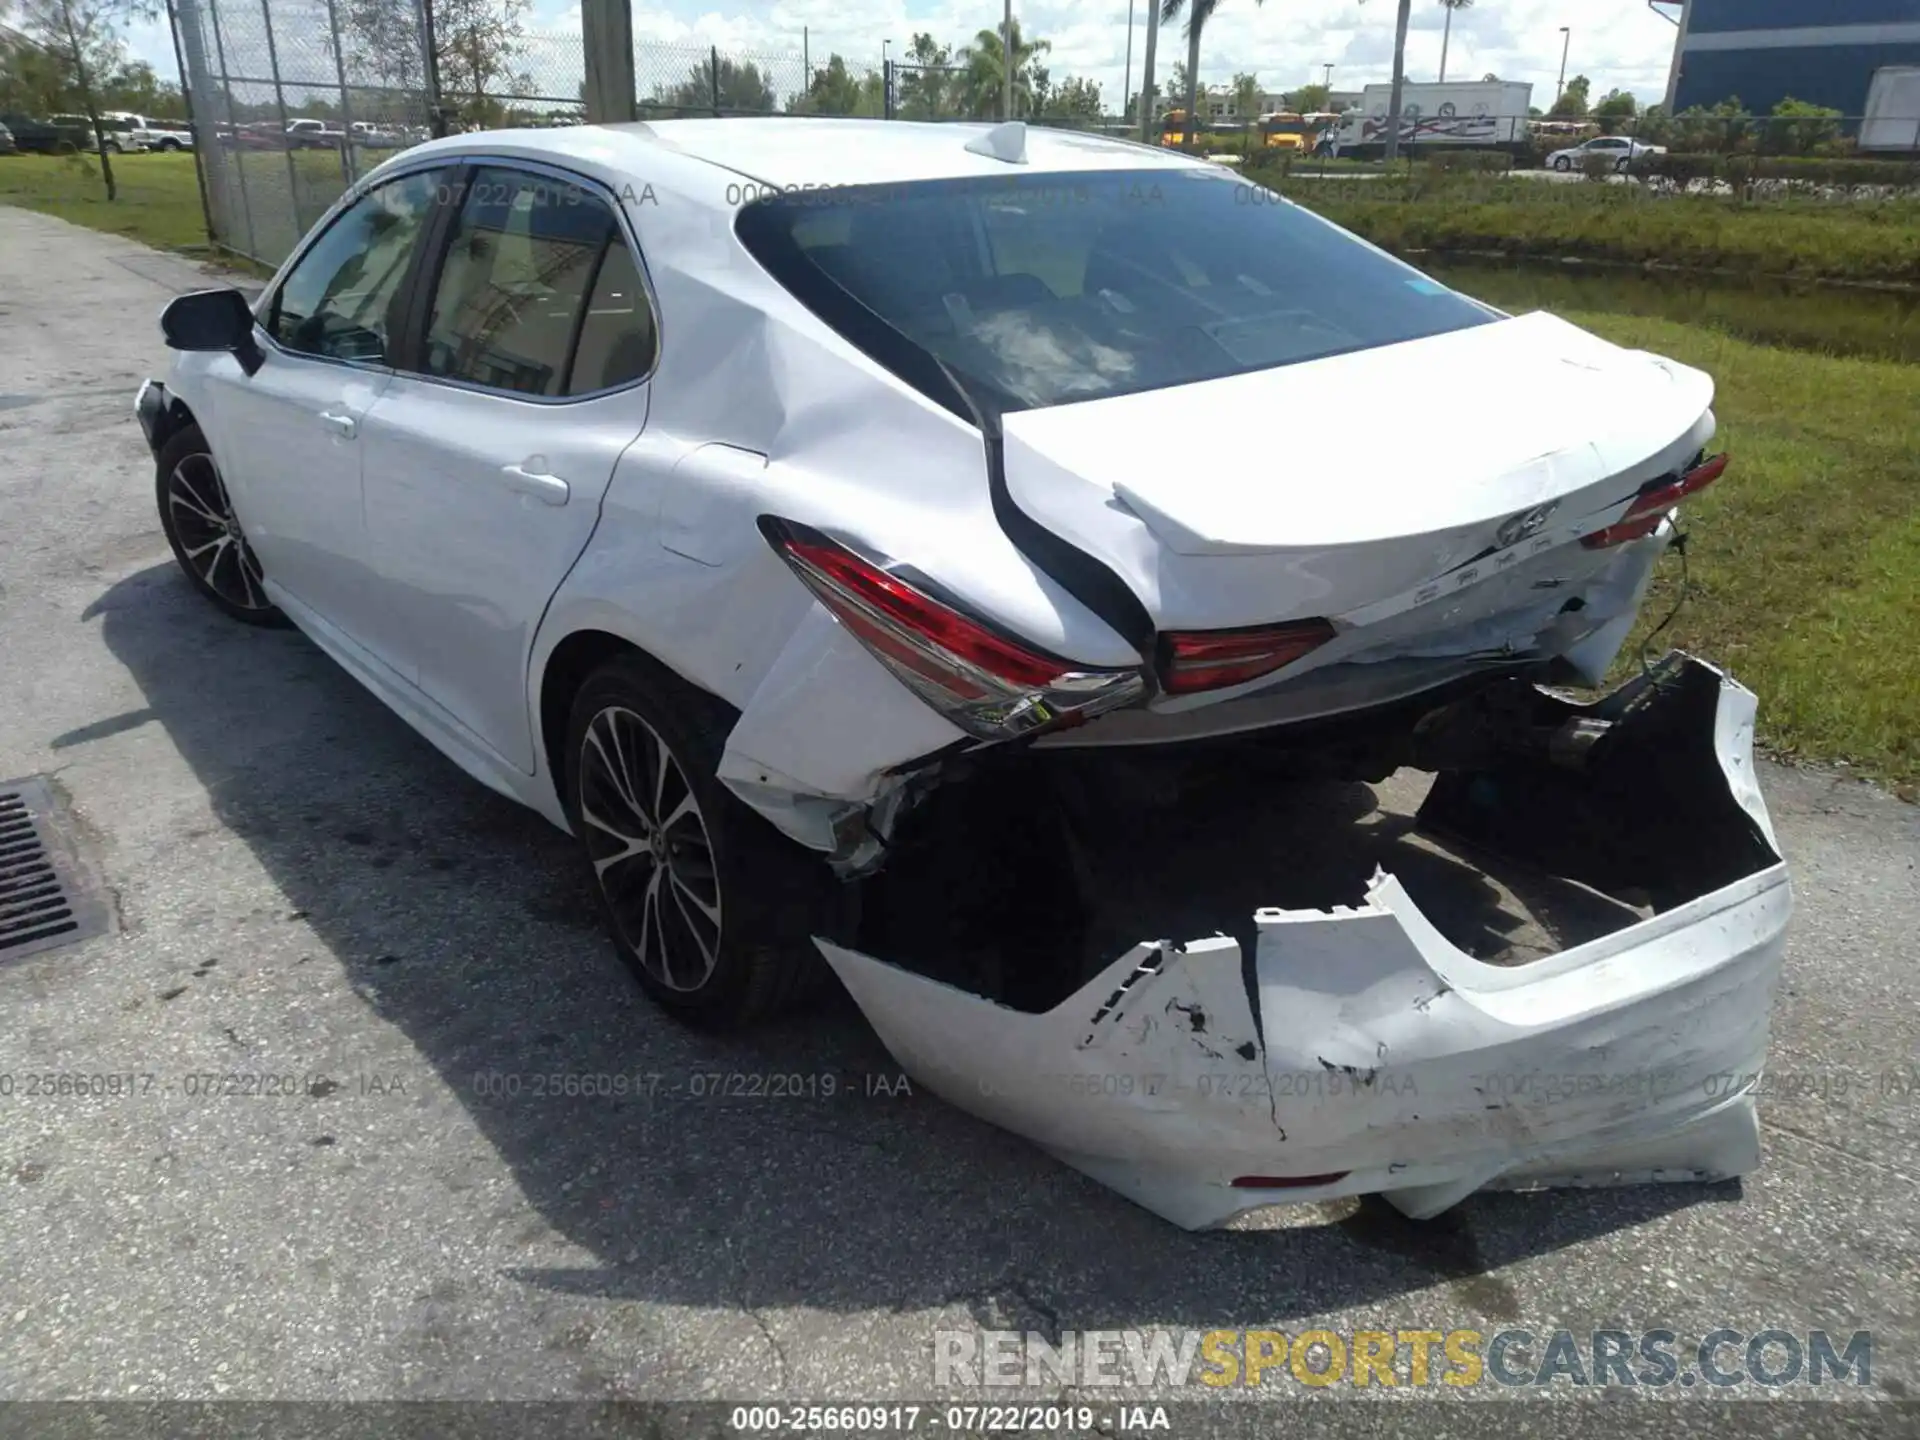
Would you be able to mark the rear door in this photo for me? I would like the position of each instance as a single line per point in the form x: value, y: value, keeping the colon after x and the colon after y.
x: 488, y: 455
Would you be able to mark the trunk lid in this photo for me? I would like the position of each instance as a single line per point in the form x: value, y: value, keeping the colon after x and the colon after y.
x: 1334, y: 486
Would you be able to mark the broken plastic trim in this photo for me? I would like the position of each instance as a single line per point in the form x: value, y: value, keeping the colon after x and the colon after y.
x: 1374, y: 1056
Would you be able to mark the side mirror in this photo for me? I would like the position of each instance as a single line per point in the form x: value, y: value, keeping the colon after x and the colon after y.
x: 213, y: 320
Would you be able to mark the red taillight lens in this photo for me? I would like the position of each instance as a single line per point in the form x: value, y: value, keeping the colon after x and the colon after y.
x: 986, y: 683
x: 1194, y: 660
x: 1650, y: 507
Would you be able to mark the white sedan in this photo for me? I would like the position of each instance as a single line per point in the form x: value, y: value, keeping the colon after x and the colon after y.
x: 1622, y: 154
x: 864, y: 537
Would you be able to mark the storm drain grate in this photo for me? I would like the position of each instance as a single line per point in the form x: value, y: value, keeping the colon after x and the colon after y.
x: 45, y: 897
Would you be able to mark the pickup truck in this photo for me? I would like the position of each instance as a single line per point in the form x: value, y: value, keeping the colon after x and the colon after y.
x: 127, y: 131
x: 307, y: 134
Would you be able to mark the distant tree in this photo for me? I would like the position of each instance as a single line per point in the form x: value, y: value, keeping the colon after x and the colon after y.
x: 133, y: 86
x: 741, y: 88
x: 1616, y: 111
x: 32, y: 77
x: 925, y: 83
x: 477, y: 49
x: 1246, y: 95
x: 1489, y: 78
x: 1726, y: 127
x: 1040, y: 86
x: 1075, y: 99
x: 1802, y: 129
x: 1311, y: 99
x: 983, y: 66
x: 1573, y: 103
x: 81, y: 44
x: 1177, y: 82
x: 832, y: 90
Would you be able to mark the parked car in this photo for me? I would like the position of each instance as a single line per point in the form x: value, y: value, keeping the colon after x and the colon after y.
x: 250, y: 136
x: 1624, y: 154
x: 314, y: 135
x: 863, y: 560
x: 31, y: 136
x: 76, y: 132
x: 140, y: 132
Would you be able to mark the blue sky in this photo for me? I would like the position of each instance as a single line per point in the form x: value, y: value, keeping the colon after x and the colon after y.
x: 1284, y: 42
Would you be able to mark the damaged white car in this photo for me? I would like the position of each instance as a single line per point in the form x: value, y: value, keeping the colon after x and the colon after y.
x: 1026, y: 569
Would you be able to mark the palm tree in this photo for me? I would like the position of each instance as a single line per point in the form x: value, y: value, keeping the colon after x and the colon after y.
x: 985, y: 67
x: 1399, y: 77
x: 1198, y: 13
x: 1446, y: 35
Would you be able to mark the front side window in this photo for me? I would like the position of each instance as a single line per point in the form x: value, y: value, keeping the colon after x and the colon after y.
x: 539, y: 293
x: 1043, y: 290
x: 342, y: 299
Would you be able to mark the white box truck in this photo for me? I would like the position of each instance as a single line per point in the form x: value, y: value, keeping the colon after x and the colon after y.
x: 1489, y: 114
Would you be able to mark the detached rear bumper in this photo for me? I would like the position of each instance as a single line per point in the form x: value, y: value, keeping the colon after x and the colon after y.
x: 1365, y: 1053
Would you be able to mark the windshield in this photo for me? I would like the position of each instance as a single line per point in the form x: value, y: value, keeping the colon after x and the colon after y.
x: 1040, y: 290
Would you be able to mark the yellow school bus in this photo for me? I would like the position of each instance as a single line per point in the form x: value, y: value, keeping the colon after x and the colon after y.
x: 1284, y: 130
x: 1173, y: 129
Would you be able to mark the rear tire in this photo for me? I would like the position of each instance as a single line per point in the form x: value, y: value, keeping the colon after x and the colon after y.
x: 206, y: 537
x: 709, y: 907
x: 169, y: 146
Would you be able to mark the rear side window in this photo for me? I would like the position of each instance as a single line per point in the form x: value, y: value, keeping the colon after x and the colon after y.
x: 538, y: 293
x: 1041, y: 290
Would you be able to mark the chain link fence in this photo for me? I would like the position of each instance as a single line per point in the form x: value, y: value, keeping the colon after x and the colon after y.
x: 293, y: 100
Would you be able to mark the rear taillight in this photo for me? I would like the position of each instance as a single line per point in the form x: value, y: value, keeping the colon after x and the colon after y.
x: 1192, y: 660
x: 985, y: 682
x: 1651, y: 505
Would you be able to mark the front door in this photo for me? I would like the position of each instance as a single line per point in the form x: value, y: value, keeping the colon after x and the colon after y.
x: 287, y: 438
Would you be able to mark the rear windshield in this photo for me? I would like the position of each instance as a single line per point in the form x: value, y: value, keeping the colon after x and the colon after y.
x: 1039, y: 290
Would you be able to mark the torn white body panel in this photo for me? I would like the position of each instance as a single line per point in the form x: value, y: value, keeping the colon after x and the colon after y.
x: 1376, y: 1056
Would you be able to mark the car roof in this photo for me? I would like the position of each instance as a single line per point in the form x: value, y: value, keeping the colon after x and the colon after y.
x: 815, y: 151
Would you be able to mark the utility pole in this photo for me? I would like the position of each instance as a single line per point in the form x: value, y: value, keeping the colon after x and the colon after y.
x: 1006, y: 63
x: 607, y: 29
x: 1146, y: 72
x: 1126, y: 78
x: 1565, y: 46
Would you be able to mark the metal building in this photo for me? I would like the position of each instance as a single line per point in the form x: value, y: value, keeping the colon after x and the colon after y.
x: 1825, y: 52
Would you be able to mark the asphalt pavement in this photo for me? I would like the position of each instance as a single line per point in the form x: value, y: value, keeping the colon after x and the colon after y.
x: 302, y: 888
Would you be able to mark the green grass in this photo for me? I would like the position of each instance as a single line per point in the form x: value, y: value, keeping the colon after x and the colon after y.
x: 159, y: 201
x: 1790, y: 237
x: 159, y: 197
x: 1829, y: 319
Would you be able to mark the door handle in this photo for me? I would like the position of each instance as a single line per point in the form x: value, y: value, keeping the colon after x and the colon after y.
x: 547, y: 489
x: 342, y: 425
